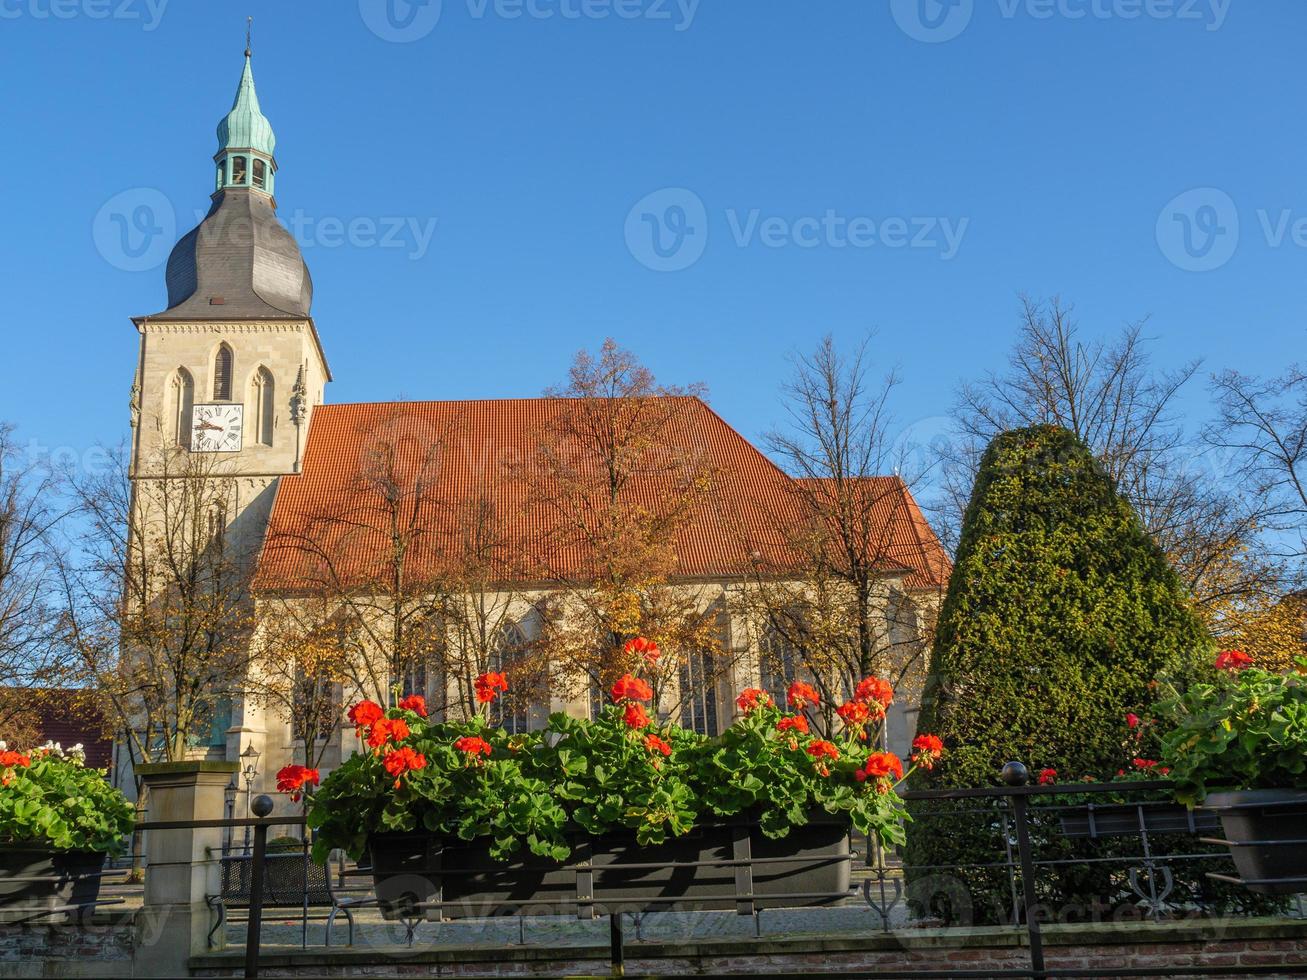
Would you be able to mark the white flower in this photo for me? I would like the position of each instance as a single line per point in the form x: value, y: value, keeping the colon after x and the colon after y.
x: 3, y: 745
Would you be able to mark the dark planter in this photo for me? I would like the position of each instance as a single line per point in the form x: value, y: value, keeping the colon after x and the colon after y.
x: 723, y: 865
x: 38, y: 879
x: 1126, y: 820
x: 1266, y: 830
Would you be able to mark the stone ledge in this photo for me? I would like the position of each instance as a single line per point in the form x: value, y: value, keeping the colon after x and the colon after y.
x: 181, y: 768
x: 905, y: 941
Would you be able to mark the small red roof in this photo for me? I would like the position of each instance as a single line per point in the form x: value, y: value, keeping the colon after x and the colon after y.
x: 449, y: 455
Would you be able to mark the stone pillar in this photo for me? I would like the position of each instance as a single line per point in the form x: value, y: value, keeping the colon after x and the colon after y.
x: 182, y: 865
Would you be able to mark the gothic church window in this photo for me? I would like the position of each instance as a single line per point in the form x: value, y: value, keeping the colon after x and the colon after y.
x: 511, y: 711
x: 263, y: 406
x: 222, y: 365
x: 183, y: 400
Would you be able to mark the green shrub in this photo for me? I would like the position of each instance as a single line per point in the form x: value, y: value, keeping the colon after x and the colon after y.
x: 1060, y: 614
x: 49, y: 799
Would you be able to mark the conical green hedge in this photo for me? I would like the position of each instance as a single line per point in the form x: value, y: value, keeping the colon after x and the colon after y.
x: 1060, y: 612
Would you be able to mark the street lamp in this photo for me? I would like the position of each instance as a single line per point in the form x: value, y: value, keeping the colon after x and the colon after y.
x: 249, y: 770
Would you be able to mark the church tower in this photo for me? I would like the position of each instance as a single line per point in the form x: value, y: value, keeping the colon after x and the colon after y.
x: 233, y: 367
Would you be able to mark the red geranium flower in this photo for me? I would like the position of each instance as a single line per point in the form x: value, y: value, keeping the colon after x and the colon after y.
x: 292, y: 779
x: 388, y: 730
x: 490, y: 686
x: 364, y: 714
x: 874, y: 689
x: 400, y: 761
x: 927, y: 750
x: 632, y: 689
x: 854, y: 713
x: 1132, y: 720
x: 820, y: 749
x: 1232, y: 660
x: 647, y: 649
x: 794, y: 723
x: 472, y: 746
x: 415, y: 703
x: 635, y: 715
x: 655, y: 744
x: 9, y: 761
x: 751, y: 698
x: 881, y: 765
x: 802, y: 694
x: 1047, y: 777
x: 1144, y: 764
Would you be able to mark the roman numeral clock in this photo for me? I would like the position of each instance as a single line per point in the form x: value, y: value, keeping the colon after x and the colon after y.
x: 217, y: 428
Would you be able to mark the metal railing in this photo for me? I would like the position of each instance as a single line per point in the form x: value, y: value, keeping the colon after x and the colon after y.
x: 1012, y: 809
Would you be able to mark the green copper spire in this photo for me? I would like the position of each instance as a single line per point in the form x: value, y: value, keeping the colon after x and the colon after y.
x: 245, y: 139
x: 246, y: 127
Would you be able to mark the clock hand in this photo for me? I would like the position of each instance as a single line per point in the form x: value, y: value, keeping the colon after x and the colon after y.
x: 209, y: 425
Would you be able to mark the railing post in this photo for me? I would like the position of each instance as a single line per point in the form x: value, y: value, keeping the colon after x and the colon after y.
x: 615, y: 940
x: 261, y: 807
x: 1016, y: 775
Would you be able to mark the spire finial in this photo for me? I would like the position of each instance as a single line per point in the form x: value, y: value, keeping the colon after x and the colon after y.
x: 249, y: 30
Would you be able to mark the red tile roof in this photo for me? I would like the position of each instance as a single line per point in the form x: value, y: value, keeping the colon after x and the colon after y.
x: 462, y: 452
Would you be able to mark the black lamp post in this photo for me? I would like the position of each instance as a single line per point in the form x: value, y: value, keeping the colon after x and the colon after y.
x: 249, y: 771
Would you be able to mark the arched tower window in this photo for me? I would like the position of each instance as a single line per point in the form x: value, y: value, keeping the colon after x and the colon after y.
x: 260, y: 173
x: 222, y: 173
x: 222, y: 367
x: 512, y: 710
x: 238, y: 165
x: 182, y: 399
x: 263, y: 405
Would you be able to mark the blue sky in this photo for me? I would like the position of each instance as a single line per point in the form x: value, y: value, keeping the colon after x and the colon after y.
x: 478, y: 195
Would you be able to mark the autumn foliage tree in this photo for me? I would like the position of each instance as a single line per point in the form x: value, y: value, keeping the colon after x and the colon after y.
x: 616, y: 471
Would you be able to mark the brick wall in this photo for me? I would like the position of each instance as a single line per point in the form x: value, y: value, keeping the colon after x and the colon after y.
x: 99, y: 947
x: 1142, y: 946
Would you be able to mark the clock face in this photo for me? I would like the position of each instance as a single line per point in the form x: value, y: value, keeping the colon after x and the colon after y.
x: 217, y: 428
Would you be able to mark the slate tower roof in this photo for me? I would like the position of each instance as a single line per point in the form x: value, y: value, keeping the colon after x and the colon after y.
x: 240, y: 262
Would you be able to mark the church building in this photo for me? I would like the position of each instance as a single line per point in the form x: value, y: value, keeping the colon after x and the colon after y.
x: 233, y: 372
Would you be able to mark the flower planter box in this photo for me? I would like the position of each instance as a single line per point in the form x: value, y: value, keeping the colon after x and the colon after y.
x: 1266, y: 831
x: 37, y: 879
x: 1124, y: 820
x: 722, y: 865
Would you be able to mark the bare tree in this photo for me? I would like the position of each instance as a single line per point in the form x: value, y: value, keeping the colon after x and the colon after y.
x: 158, y: 611
x: 31, y: 511
x: 1110, y: 395
x: 369, y: 557
x: 1264, y: 424
x: 852, y: 529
